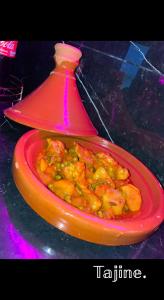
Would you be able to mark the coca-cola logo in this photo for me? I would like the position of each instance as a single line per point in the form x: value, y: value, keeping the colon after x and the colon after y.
x: 8, y: 48
x: 8, y: 44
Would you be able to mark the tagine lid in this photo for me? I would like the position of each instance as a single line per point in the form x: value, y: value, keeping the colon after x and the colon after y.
x: 56, y: 105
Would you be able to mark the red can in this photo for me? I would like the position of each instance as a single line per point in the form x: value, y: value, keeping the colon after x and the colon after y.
x: 8, y: 48
x: 7, y: 53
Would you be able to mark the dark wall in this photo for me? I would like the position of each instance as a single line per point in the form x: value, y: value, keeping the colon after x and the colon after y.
x: 33, y: 62
x: 34, y: 59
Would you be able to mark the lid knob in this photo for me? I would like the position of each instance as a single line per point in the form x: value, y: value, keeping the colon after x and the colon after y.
x: 64, y: 52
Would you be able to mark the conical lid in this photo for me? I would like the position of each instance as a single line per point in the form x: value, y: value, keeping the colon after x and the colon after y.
x: 56, y: 105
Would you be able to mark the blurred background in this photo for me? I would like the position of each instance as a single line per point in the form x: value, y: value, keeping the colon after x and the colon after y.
x: 121, y: 84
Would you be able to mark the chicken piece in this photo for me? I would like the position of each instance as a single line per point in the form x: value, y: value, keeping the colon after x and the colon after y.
x: 84, y: 154
x: 94, y: 203
x: 106, y: 160
x: 55, y: 150
x: 122, y: 173
x: 63, y: 189
x: 132, y: 196
x: 113, y: 201
x: 74, y: 171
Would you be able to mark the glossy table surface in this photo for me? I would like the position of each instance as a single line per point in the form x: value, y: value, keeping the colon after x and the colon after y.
x: 133, y: 118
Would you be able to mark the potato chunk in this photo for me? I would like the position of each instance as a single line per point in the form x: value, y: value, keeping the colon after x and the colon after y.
x: 101, y: 175
x: 94, y: 203
x: 62, y: 188
x: 122, y: 173
x: 132, y: 196
x: 55, y: 149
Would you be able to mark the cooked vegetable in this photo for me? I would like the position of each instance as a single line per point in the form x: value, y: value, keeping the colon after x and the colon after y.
x: 94, y: 203
x: 122, y: 173
x: 74, y: 171
x: 84, y: 154
x: 132, y: 196
x: 93, y: 182
x: 62, y: 188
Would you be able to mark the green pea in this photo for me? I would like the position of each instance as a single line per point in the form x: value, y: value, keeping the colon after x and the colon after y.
x: 58, y: 177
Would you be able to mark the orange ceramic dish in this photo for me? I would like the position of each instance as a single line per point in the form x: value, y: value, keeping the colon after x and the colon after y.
x: 74, y: 221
